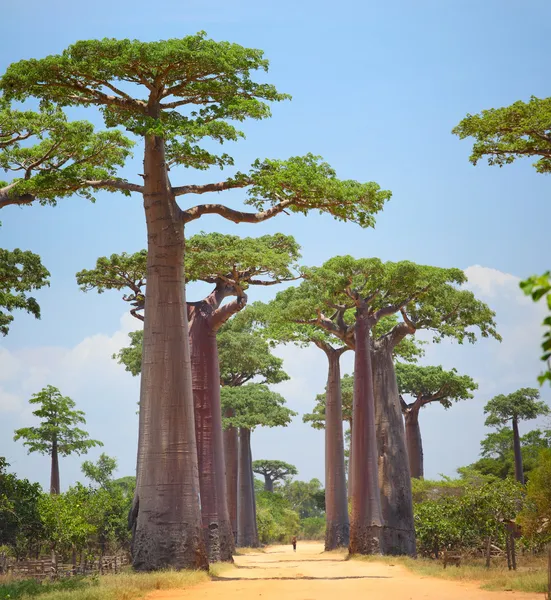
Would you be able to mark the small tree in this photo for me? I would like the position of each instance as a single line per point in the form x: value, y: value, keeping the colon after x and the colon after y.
x: 252, y: 405
x: 100, y: 472
x: 427, y: 385
x: 522, y: 405
x: 57, y: 435
x: 272, y: 471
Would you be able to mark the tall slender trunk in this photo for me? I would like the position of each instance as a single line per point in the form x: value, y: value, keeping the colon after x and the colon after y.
x: 231, y: 442
x: 367, y: 519
x: 394, y: 473
x: 349, y: 479
x: 247, y: 535
x: 414, y: 443
x: 519, y: 472
x: 166, y: 515
x: 268, y: 484
x: 54, y: 474
x: 208, y: 431
x: 337, y: 528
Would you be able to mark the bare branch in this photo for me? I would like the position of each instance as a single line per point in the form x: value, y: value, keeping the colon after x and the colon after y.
x: 236, y: 216
x: 209, y: 187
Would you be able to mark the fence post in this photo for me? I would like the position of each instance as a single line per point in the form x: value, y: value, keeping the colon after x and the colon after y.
x: 488, y: 551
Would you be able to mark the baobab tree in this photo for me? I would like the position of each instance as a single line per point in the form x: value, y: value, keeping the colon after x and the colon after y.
x: 58, y: 434
x: 522, y: 405
x: 272, y: 471
x: 253, y: 405
x: 244, y: 355
x: 503, y: 135
x: 230, y: 264
x: 423, y: 297
x: 173, y: 95
x: 427, y: 385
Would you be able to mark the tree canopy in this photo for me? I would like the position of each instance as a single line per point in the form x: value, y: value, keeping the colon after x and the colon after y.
x: 274, y: 469
x: 21, y: 272
x: 186, y: 91
x: 58, y: 424
x: 522, y: 405
x: 100, y: 472
x: 254, y: 405
x: 505, y: 134
x: 433, y: 384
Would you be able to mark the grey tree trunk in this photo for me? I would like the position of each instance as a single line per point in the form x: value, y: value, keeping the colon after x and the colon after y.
x: 268, y: 484
x: 166, y: 515
x: 414, y: 443
x: 54, y: 473
x: 394, y: 474
x: 208, y: 431
x: 247, y: 535
x: 337, y: 528
x: 519, y: 472
x: 231, y: 442
x: 367, y: 519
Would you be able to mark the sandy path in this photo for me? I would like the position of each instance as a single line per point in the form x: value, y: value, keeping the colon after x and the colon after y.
x: 279, y: 574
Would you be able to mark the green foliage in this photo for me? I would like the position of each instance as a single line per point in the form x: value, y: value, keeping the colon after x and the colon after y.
x: 254, y: 405
x: 539, y: 287
x: 276, y: 520
x: 20, y: 525
x: 64, y: 157
x: 505, y: 134
x: 433, y: 384
x: 131, y: 356
x: 31, y: 587
x: 312, y: 528
x: 100, y: 473
x: 498, y: 455
x: 274, y: 469
x: 21, y: 272
x: 427, y: 297
x: 536, y: 516
x: 244, y: 353
x: 58, y: 426
x: 464, y: 520
x: 306, y: 497
x: 522, y: 405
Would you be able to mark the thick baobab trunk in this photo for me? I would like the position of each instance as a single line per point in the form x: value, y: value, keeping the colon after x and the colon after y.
x: 231, y: 442
x: 337, y: 527
x: 247, y: 535
x: 268, y: 484
x: 394, y: 473
x: 519, y: 472
x: 166, y: 515
x: 54, y: 474
x: 367, y: 520
x: 208, y: 429
x: 414, y: 443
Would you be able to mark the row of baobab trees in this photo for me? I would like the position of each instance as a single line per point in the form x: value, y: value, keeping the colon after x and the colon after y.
x: 174, y: 98
x: 366, y: 306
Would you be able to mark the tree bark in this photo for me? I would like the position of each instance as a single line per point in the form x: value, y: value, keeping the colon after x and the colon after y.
x: 519, y: 472
x: 367, y: 520
x: 231, y: 442
x: 414, y: 443
x: 268, y: 484
x: 394, y: 472
x: 247, y: 535
x: 208, y: 429
x: 54, y: 473
x: 337, y: 528
x: 166, y: 515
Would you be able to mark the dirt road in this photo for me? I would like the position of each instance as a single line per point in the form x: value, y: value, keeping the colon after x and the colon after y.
x: 280, y: 574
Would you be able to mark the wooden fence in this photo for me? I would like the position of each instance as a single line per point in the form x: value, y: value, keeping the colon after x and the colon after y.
x: 49, y: 568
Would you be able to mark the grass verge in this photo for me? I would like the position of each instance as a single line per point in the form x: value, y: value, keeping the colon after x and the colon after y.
x: 123, y: 586
x: 530, y: 576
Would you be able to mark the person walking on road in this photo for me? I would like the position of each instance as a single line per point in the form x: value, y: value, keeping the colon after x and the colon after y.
x: 294, y: 542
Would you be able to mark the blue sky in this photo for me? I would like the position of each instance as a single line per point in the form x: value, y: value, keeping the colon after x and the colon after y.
x: 377, y: 88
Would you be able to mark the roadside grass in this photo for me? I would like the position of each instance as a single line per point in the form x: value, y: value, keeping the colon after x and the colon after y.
x: 244, y: 551
x: 530, y: 576
x: 123, y: 586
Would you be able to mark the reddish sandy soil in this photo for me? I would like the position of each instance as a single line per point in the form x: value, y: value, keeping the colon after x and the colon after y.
x: 280, y: 574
